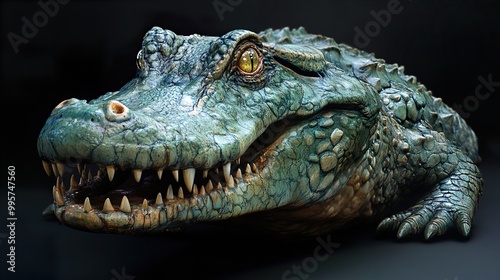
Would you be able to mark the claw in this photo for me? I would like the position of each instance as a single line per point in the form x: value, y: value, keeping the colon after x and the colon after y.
x: 431, y: 231
x: 404, y: 230
x: 463, y: 223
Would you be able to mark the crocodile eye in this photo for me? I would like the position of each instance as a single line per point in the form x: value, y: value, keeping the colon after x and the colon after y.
x: 249, y: 60
x: 139, y: 62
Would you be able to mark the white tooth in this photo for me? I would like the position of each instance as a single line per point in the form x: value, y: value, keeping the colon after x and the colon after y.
x: 99, y: 173
x: 81, y: 181
x: 159, y: 200
x: 216, y: 170
x: 160, y: 173
x: 181, y: 193
x: 57, y: 197
x: 202, y: 190
x: 72, y: 182
x: 205, y: 173
x: 219, y: 186
x: 144, y: 205
x: 125, y: 205
x: 238, y: 161
x: 60, y: 168
x: 254, y: 168
x: 62, y: 189
x: 248, y: 169
x: 189, y: 178
x: 238, y: 174
x: 60, y: 186
x: 170, y: 192
x: 210, y: 186
x: 227, y: 171
x: 79, y: 168
x: 86, y: 205
x: 137, y: 175
x: 54, y: 169
x: 111, y: 172
x: 176, y: 175
x: 195, y: 190
x: 46, y: 167
x: 107, y: 207
x: 230, y: 182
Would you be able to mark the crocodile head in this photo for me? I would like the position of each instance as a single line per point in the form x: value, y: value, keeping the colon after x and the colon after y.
x: 210, y: 128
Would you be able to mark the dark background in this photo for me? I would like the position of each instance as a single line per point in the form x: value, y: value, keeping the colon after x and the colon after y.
x: 87, y: 48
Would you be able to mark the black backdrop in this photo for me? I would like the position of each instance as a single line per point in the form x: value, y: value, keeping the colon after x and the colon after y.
x: 51, y: 52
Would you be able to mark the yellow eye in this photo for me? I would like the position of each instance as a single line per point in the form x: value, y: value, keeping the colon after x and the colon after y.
x: 249, y: 60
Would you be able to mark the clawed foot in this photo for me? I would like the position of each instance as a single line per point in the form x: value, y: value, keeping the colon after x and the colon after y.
x: 430, y: 221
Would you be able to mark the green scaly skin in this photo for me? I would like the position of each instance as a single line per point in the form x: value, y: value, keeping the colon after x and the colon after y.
x: 316, y: 137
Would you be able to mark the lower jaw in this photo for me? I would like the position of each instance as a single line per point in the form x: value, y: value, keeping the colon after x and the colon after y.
x: 155, y: 216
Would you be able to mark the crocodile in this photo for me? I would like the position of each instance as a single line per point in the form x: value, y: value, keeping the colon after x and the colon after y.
x: 282, y: 130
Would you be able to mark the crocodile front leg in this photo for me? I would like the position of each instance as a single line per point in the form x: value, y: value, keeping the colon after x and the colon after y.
x: 452, y: 202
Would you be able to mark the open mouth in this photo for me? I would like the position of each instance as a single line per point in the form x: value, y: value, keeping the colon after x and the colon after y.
x: 110, y: 189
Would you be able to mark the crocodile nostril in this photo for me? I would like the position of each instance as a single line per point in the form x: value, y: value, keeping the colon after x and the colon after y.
x: 117, y: 108
x: 62, y: 103
x: 116, y: 111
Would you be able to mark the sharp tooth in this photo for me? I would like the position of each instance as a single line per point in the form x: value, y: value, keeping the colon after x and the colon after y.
x: 248, y: 169
x: 60, y: 186
x: 159, y: 173
x: 89, y: 176
x: 254, y: 167
x: 107, y: 207
x: 84, y: 170
x: 216, y: 170
x: 238, y: 174
x: 202, y: 190
x: 125, y: 205
x: 238, y: 161
x: 79, y: 168
x: 57, y: 197
x: 144, y: 204
x: 137, y: 175
x: 170, y: 192
x: 61, y: 189
x: 72, y: 182
x: 86, y: 205
x: 159, y: 200
x: 219, y: 186
x: 195, y: 190
x: 230, y: 182
x: 205, y: 173
x: 81, y: 181
x: 210, y: 186
x: 111, y: 172
x: 181, y: 193
x: 99, y: 173
x: 176, y: 175
x: 60, y: 168
x: 54, y: 169
x: 227, y: 171
x: 189, y: 178
x: 46, y: 167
